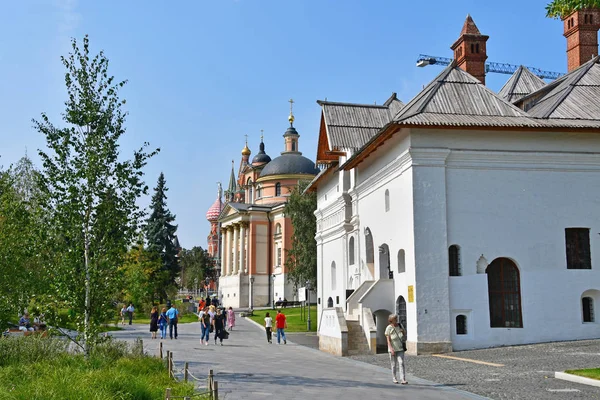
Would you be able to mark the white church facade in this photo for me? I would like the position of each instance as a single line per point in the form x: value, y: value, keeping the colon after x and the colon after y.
x: 474, y: 216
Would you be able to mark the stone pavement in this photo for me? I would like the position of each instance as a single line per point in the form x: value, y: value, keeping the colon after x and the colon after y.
x: 248, y: 367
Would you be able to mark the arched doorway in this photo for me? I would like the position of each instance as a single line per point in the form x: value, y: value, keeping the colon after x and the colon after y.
x: 381, y: 322
x: 370, y: 253
x: 504, y: 291
x: 385, y: 271
x: 401, y: 310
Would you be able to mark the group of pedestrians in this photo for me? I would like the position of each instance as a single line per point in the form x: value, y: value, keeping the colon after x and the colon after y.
x: 280, y: 324
x: 212, y: 319
x: 160, y: 321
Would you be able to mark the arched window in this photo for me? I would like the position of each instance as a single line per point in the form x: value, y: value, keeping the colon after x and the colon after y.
x: 333, y: 276
x: 387, y: 200
x: 330, y: 303
x: 278, y: 229
x: 293, y: 146
x: 587, y: 304
x: 461, y: 325
x: 370, y: 252
x: 351, y: 251
x: 401, y: 261
x: 385, y: 270
x: 258, y: 192
x: 454, y: 260
x: 278, y: 189
x: 401, y: 310
x: 250, y: 192
x: 504, y: 292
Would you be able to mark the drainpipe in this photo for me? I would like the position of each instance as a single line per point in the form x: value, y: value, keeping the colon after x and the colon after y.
x: 270, y: 254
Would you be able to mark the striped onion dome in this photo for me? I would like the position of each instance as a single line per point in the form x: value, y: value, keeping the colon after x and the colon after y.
x: 215, y: 210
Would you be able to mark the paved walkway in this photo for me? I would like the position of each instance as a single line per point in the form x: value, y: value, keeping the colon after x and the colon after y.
x: 248, y: 367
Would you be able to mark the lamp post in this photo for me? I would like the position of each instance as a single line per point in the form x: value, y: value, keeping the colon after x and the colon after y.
x: 251, y: 293
x: 207, y: 285
x: 308, y: 287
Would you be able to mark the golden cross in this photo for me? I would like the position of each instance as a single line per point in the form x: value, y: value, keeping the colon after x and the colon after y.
x: 291, y: 101
x: 246, y: 140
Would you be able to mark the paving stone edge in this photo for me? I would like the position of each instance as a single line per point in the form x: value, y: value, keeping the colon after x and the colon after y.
x: 382, y: 370
x: 577, y: 379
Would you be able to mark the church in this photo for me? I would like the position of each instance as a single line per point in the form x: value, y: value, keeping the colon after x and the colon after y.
x: 249, y: 230
x: 472, y: 215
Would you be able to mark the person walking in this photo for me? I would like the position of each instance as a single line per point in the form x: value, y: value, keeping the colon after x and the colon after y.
x: 268, y: 327
x: 395, y: 336
x: 162, y: 323
x: 123, y: 313
x: 154, y: 321
x: 219, y: 324
x: 130, y: 311
x: 204, y: 318
x: 281, y: 325
x: 230, y: 318
x: 173, y: 315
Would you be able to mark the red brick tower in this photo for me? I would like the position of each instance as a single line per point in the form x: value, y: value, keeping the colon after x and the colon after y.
x: 469, y: 50
x: 581, y: 31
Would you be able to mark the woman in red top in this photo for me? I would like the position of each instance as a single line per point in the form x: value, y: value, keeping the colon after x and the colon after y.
x: 281, y: 325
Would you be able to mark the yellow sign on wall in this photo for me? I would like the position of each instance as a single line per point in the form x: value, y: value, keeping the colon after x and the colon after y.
x: 411, y: 294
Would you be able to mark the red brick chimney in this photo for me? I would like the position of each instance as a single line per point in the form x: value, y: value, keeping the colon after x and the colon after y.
x: 581, y: 31
x: 469, y: 50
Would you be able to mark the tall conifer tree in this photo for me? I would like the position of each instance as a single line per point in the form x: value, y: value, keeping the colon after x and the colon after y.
x: 160, y: 238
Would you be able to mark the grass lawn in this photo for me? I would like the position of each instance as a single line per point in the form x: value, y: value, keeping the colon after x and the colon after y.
x: 183, y: 319
x: 42, y: 369
x: 295, y: 324
x: 593, y: 373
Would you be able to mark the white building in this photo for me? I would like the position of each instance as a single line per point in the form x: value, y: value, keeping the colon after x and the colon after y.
x: 477, y: 220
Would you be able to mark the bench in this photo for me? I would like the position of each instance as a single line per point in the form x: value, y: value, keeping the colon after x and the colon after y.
x: 287, y: 303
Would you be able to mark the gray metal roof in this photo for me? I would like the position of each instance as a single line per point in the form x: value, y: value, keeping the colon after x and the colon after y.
x: 350, y: 126
x: 290, y: 163
x: 520, y: 84
x: 576, y: 96
x: 456, y: 98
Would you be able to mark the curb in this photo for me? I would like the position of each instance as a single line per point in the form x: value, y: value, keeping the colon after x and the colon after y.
x: 577, y: 379
x: 382, y: 370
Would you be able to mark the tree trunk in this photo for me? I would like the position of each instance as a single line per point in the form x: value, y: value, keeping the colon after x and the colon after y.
x: 86, y: 323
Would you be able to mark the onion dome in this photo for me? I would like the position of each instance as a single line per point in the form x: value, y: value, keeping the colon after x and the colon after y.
x: 246, y: 151
x: 215, y: 210
x: 290, y: 164
x: 261, y: 157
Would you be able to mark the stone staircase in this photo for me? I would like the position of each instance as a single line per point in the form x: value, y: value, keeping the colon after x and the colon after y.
x: 357, y: 342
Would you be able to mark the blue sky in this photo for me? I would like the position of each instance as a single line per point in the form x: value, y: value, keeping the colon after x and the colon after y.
x: 204, y: 73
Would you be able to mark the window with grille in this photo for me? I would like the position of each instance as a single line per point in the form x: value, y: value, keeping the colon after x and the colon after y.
x: 461, y: 324
x: 454, y: 260
x: 504, y: 292
x: 578, y: 248
x: 588, y: 309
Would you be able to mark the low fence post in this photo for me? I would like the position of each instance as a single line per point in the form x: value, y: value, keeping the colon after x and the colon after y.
x: 168, y: 394
x: 185, y: 371
x: 160, y: 350
x: 141, y: 347
x: 216, y: 390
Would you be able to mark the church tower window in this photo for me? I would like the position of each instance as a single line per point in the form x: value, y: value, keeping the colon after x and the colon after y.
x: 454, y: 260
x: 587, y: 304
x: 278, y: 189
x: 578, y: 248
x: 504, y: 292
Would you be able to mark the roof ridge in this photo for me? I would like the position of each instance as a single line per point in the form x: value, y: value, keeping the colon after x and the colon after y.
x: 577, y: 75
x: 337, y: 103
x: 428, y: 92
x: 517, y: 76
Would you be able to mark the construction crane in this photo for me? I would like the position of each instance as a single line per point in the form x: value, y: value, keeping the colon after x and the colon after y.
x: 501, y: 68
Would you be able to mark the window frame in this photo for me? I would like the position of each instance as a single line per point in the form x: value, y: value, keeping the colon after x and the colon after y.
x: 590, y: 310
x: 504, y: 294
x: 577, y: 248
x: 454, y: 267
x: 461, y: 327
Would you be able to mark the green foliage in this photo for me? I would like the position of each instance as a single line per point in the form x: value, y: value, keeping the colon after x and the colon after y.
x: 593, y: 373
x: 301, y: 259
x: 138, y: 271
x: 195, y: 267
x: 161, y: 238
x: 91, y: 192
x: 21, y: 247
x: 42, y: 369
x: 562, y: 8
